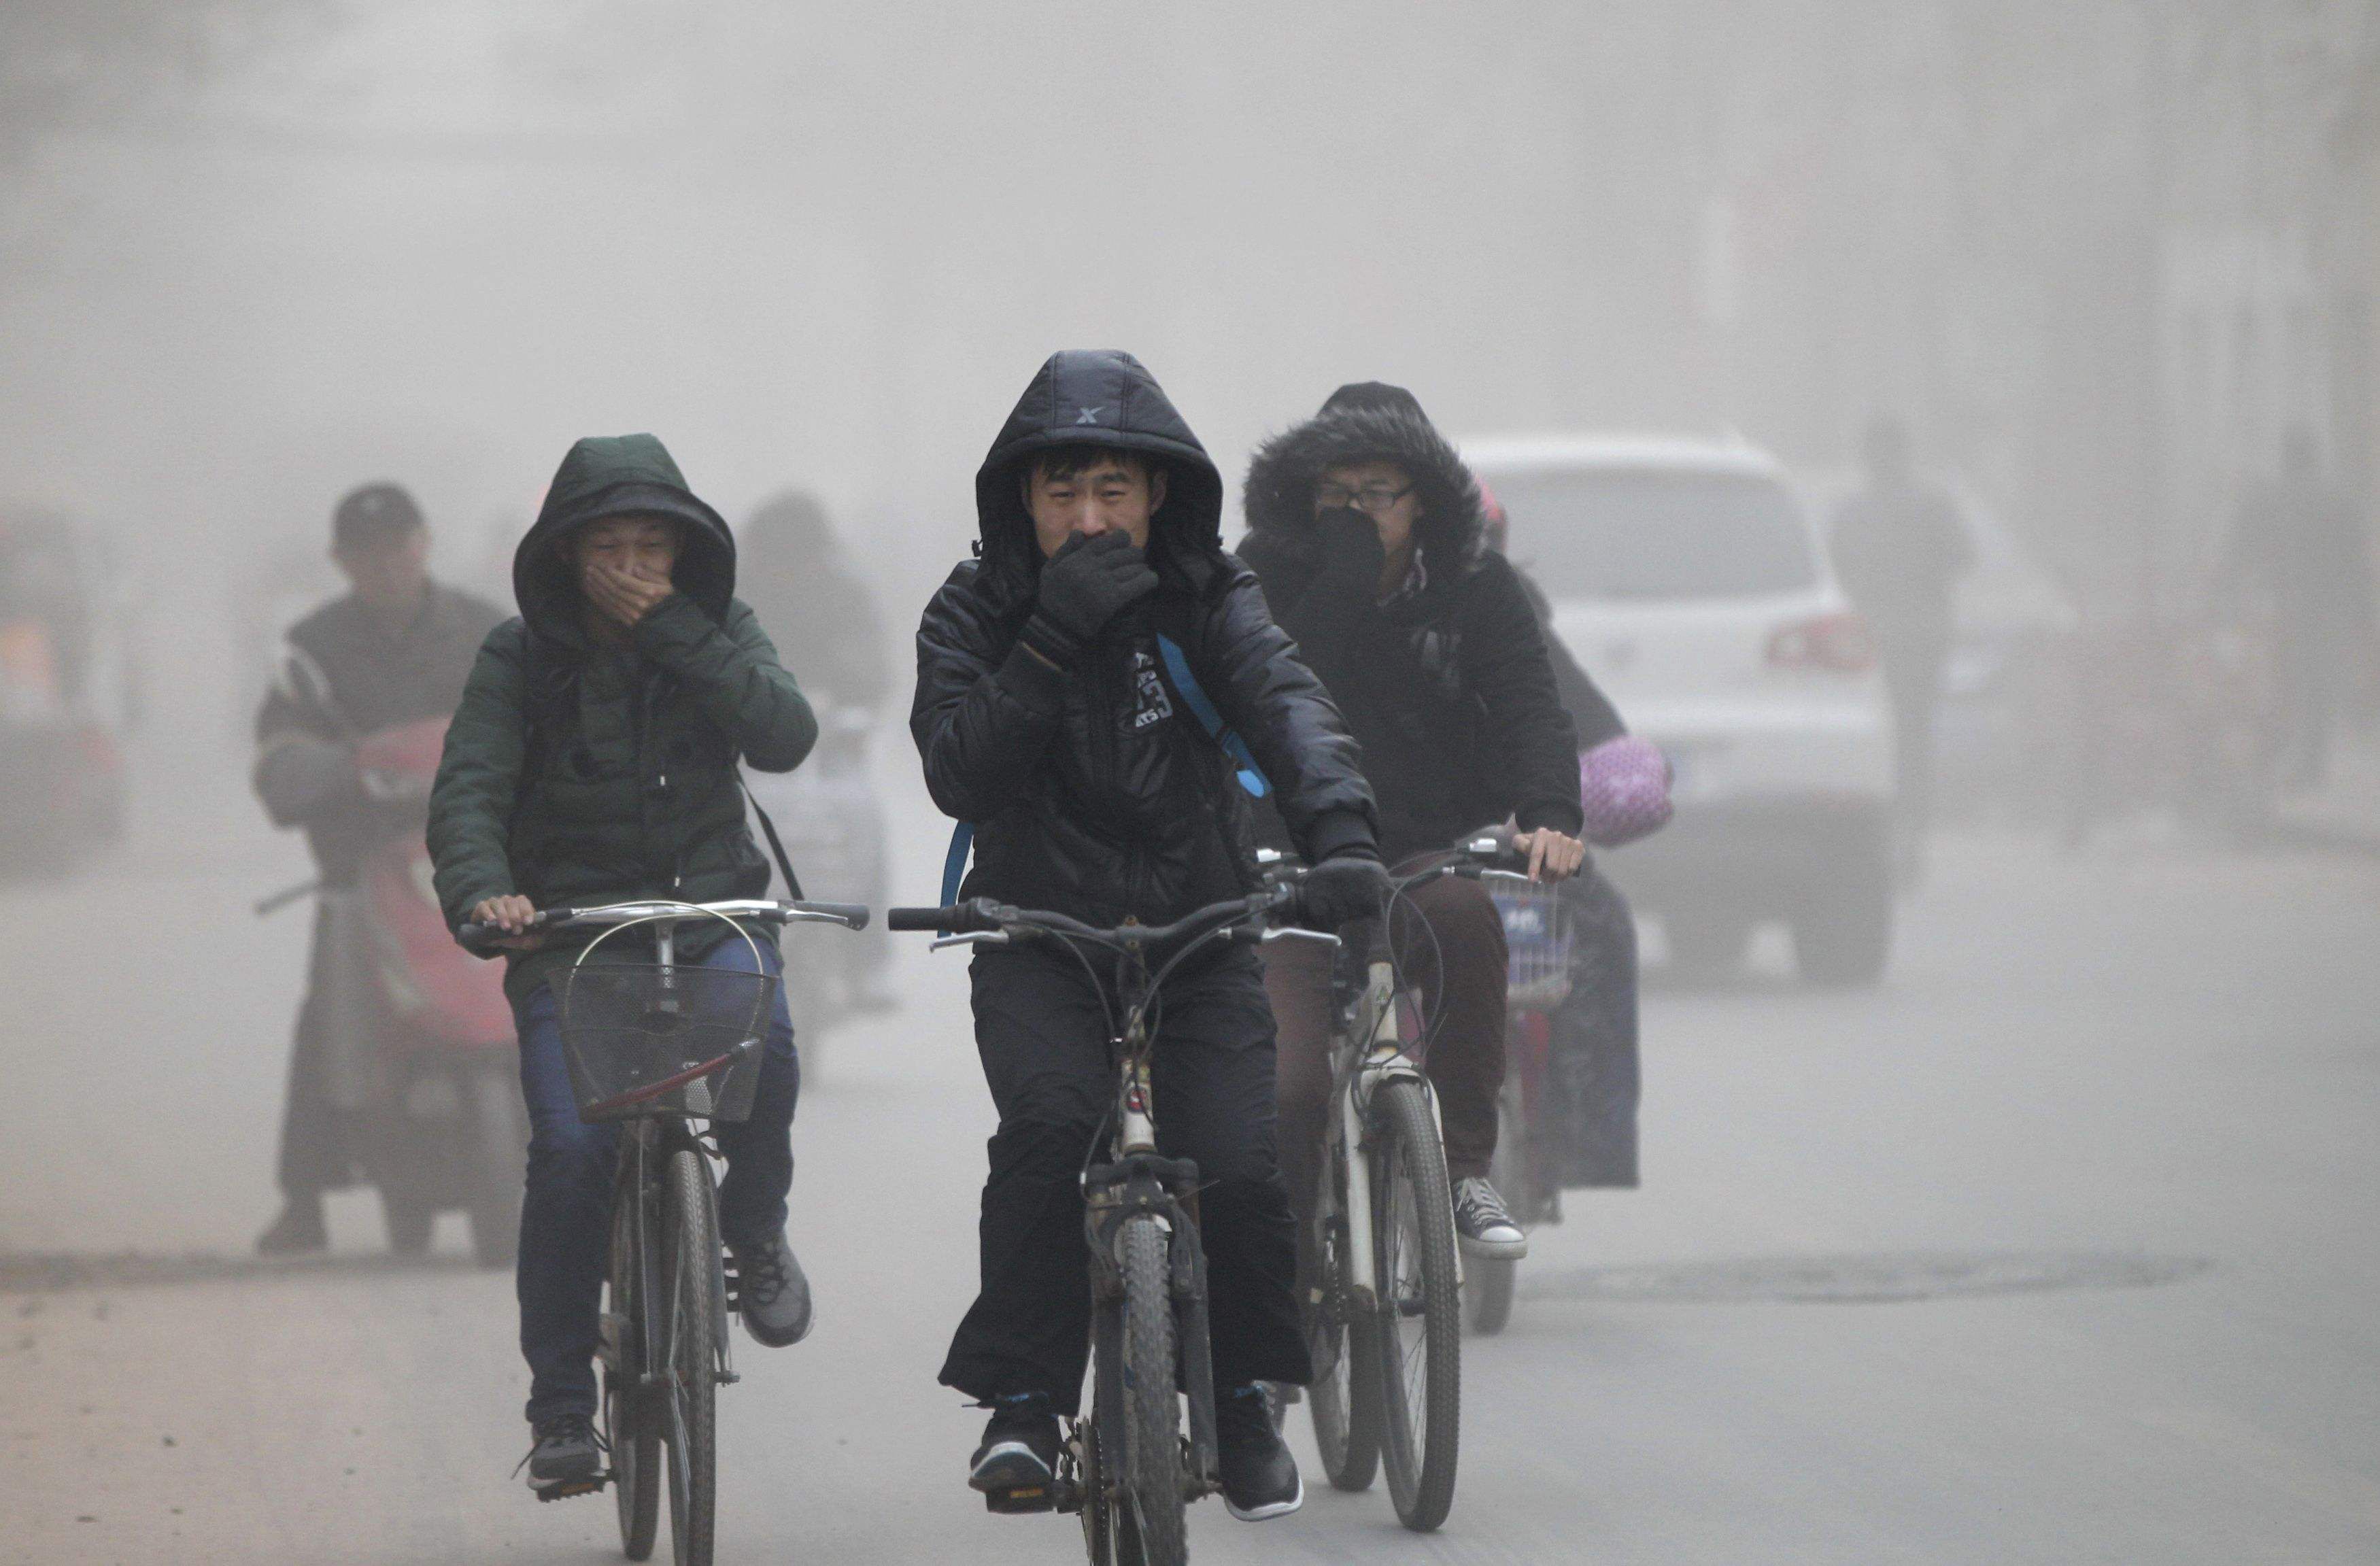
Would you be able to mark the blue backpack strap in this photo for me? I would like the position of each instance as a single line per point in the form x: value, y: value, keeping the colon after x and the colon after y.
x: 1177, y: 668
x: 954, y: 863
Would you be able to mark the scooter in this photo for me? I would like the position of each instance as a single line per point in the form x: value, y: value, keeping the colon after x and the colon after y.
x: 420, y: 1038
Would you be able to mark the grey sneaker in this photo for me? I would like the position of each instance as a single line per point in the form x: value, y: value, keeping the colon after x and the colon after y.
x: 567, y: 1460
x: 1481, y: 1224
x: 771, y: 1293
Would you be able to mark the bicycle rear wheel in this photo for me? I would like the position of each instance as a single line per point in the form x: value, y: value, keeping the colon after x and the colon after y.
x: 1344, y: 1401
x: 1420, y: 1319
x: 1152, y: 1409
x: 633, y: 1436
x: 692, y: 1344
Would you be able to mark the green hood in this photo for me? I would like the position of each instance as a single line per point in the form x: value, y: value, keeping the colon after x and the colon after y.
x: 615, y: 476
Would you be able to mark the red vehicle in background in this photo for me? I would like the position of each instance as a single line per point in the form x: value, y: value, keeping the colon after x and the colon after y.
x: 66, y: 692
x: 422, y: 1044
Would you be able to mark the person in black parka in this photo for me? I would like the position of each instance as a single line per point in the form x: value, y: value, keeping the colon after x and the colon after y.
x: 1043, y: 716
x: 1367, y: 532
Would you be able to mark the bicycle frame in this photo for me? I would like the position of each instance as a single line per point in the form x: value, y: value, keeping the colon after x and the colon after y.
x: 1371, y: 1052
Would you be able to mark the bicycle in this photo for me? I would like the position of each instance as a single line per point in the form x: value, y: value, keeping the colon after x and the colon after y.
x: 660, y: 1045
x: 1387, y: 1302
x: 1537, y: 980
x: 1124, y: 1465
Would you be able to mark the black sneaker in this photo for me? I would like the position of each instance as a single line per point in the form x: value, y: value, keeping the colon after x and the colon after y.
x: 566, y: 1459
x: 772, y: 1294
x: 1481, y: 1224
x: 299, y: 1231
x: 1260, y: 1477
x: 1016, y: 1466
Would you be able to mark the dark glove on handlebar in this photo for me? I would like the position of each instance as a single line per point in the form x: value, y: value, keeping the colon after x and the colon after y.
x: 1352, y: 552
x: 1353, y: 886
x: 1083, y: 586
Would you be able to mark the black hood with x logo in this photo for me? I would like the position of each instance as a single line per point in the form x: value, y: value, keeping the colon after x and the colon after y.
x: 1096, y: 397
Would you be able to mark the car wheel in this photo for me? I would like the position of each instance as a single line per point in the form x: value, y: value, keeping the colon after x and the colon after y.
x: 1709, y: 943
x: 1842, y: 932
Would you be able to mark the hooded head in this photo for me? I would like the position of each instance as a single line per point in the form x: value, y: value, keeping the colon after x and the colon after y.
x: 1366, y: 421
x: 1098, y: 397
x: 617, y: 476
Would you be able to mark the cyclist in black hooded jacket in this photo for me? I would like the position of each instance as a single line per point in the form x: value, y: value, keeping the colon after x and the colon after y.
x: 1044, y: 716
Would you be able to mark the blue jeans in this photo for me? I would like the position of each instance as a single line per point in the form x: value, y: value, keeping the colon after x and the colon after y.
x: 566, y: 1232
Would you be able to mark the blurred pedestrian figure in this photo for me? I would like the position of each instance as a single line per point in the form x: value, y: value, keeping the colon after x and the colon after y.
x: 814, y: 606
x: 823, y: 617
x: 1595, y: 1080
x: 2302, y: 542
x: 395, y: 649
x: 1901, y: 549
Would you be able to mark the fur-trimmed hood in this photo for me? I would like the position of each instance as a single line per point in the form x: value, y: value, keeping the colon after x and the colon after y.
x: 1366, y: 421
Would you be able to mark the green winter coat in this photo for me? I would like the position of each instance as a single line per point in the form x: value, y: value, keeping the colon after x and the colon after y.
x: 577, y: 774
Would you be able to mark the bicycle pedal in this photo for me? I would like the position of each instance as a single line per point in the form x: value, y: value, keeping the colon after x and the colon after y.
x: 565, y: 1490
x: 1022, y: 1498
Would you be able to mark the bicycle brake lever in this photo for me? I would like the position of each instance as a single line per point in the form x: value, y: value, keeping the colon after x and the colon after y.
x: 973, y: 937
x: 1291, y: 932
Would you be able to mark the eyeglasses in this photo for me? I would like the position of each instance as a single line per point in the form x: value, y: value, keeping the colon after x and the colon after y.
x: 1372, y: 498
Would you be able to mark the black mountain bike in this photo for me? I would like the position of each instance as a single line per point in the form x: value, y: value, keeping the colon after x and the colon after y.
x: 660, y: 1044
x: 1125, y: 1467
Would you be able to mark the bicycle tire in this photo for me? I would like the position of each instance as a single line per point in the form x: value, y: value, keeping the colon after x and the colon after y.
x: 1152, y: 1408
x: 1344, y: 1401
x: 635, y: 1446
x: 693, y: 1342
x: 1413, y: 1226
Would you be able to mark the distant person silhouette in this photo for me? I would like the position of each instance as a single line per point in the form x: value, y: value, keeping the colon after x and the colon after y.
x: 1899, y: 547
x: 814, y: 606
x: 2301, y: 539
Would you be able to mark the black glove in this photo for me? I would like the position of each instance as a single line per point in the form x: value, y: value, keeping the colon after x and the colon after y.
x: 1352, y: 550
x: 1352, y: 886
x: 1082, y: 588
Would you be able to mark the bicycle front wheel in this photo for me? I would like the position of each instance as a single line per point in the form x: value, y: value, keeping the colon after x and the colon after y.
x: 628, y: 1424
x: 692, y: 1347
x: 1420, y: 1306
x: 1152, y: 1409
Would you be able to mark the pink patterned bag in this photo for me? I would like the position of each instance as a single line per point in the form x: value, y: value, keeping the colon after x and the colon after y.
x: 1624, y: 786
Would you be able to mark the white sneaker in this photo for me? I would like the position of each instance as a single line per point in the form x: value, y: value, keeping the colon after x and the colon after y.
x: 1481, y: 1224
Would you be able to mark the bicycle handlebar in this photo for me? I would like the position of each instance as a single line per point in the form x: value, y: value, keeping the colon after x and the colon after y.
x: 482, y: 939
x: 981, y: 915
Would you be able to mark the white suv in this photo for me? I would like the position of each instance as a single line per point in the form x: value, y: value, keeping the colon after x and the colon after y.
x: 1687, y: 579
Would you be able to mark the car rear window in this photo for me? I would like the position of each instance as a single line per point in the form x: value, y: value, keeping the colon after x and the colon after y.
x: 1657, y: 534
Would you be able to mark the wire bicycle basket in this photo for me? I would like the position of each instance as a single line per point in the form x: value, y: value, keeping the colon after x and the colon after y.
x: 1537, y: 939
x: 644, y: 1039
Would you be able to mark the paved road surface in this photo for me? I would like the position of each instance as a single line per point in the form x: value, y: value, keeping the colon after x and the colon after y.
x: 2153, y: 1061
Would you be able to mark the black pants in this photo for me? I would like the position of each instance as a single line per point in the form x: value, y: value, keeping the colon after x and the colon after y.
x: 318, y: 1140
x: 1043, y: 1039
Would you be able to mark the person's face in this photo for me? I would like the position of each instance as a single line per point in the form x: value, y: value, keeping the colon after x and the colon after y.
x: 1381, y: 491
x: 389, y: 573
x: 1106, y: 496
x: 638, y: 546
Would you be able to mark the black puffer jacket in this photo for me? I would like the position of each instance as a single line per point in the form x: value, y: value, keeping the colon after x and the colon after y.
x: 1095, y: 791
x: 1449, y: 689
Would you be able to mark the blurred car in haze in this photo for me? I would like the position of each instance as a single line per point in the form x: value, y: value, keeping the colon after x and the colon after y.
x: 2002, y: 727
x: 68, y: 690
x: 1687, y: 578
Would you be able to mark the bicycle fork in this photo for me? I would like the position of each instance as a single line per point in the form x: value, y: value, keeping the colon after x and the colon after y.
x: 1383, y: 1061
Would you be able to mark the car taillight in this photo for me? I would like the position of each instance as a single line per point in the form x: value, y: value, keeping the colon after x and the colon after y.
x: 1837, y: 642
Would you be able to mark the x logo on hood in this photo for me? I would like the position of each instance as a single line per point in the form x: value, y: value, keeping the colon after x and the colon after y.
x: 1089, y: 415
